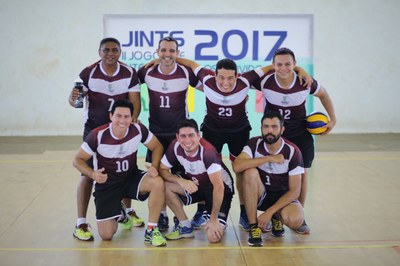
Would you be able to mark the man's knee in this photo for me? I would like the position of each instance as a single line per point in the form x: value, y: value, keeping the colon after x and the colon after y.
x: 250, y: 175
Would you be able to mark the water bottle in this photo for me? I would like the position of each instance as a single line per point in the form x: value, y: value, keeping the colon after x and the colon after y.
x: 79, y: 101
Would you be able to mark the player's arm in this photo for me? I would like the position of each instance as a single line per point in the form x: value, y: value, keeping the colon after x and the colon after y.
x: 156, y: 152
x: 187, y: 62
x: 244, y: 161
x: 218, y: 194
x: 134, y: 98
x: 186, y: 184
x: 326, y: 101
x: 305, y: 79
x: 292, y: 194
x: 79, y: 163
x: 166, y: 174
x: 266, y: 69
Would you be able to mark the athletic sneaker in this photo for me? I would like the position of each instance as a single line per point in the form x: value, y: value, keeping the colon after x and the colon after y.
x: 198, y: 220
x: 163, y: 223
x: 154, y: 237
x: 303, y: 229
x: 83, y: 232
x: 180, y: 231
x: 244, y: 222
x: 132, y: 220
x: 255, y: 239
x: 277, y: 227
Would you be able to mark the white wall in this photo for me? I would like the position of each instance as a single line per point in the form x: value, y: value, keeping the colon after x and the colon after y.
x: 46, y: 43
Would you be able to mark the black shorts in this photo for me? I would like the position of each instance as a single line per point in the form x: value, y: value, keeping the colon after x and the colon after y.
x: 85, y: 133
x: 305, y: 142
x: 207, y: 196
x: 107, y: 198
x: 235, y: 141
x: 269, y: 198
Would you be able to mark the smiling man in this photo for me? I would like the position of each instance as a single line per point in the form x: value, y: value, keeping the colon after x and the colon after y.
x: 114, y: 149
x: 104, y: 82
x: 206, y: 179
x: 272, y: 169
x: 167, y: 84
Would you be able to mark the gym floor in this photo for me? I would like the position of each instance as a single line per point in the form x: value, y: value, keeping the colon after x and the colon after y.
x: 352, y: 209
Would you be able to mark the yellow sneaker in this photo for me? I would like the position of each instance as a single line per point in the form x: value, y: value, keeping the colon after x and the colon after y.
x: 83, y: 233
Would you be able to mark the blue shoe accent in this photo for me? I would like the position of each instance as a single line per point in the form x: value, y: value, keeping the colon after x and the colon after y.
x: 244, y: 222
x: 163, y: 223
x: 198, y: 220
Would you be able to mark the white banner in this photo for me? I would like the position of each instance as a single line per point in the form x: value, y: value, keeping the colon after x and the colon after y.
x: 250, y: 40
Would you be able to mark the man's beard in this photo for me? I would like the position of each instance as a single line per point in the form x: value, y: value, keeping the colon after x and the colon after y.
x: 272, y: 140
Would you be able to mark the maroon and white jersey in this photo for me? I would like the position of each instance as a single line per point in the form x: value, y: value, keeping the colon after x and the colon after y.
x: 207, y: 161
x: 117, y: 156
x: 226, y: 111
x: 167, y: 96
x: 103, y: 90
x: 275, y: 176
x: 291, y: 103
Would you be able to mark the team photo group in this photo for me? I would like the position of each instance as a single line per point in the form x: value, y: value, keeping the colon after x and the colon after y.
x: 184, y: 163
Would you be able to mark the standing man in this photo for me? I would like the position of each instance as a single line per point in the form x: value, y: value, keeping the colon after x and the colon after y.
x: 104, y: 82
x: 206, y: 179
x: 284, y: 93
x: 167, y: 85
x: 226, y: 120
x: 272, y: 169
x: 114, y: 148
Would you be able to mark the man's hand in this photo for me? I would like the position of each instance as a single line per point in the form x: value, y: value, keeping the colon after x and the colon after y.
x: 214, y: 231
x: 277, y: 158
x: 264, y: 219
x: 99, y: 176
x: 151, y: 171
x: 305, y: 79
x: 188, y: 185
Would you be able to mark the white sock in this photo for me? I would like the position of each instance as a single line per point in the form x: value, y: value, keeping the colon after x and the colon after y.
x: 127, y: 210
x: 151, y: 225
x: 80, y: 221
x: 164, y: 213
x: 186, y: 223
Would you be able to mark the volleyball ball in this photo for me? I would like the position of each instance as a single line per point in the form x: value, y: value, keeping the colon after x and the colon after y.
x: 315, y: 122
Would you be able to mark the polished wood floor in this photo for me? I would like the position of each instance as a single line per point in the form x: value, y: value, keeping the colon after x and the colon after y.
x: 352, y: 208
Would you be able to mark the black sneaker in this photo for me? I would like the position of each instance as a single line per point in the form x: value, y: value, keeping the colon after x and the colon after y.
x: 255, y: 239
x: 124, y: 216
x: 277, y: 226
x: 163, y: 223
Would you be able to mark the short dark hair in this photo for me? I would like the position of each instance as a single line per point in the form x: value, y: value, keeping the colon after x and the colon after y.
x: 122, y: 103
x: 168, y: 39
x: 109, y: 39
x: 226, y: 63
x: 187, y: 123
x: 283, y: 51
x: 272, y: 114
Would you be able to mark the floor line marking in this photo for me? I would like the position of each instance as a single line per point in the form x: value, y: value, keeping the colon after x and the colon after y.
x: 396, y: 245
